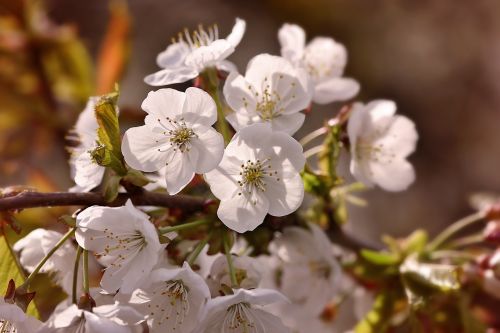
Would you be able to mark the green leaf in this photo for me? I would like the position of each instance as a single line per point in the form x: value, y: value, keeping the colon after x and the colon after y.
x: 9, y: 269
x: 109, y: 151
x: 380, y: 258
x: 379, y: 317
x: 111, y: 188
x: 415, y: 243
x: 329, y: 156
x: 314, y: 183
x: 137, y: 178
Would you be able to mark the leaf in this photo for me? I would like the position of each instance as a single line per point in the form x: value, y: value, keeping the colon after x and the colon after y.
x: 329, y: 156
x: 380, y: 258
x: 379, y: 318
x: 137, y: 178
x: 111, y: 188
x: 9, y: 269
x: 416, y: 242
x: 314, y: 183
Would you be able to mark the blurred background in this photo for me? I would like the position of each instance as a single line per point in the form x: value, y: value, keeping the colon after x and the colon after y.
x: 439, y: 60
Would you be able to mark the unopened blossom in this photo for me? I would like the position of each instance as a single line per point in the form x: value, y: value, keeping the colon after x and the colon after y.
x: 246, y: 270
x: 174, y: 300
x: 259, y: 174
x: 124, y: 240
x: 177, y: 137
x: 380, y: 143
x: 86, y: 173
x: 323, y: 58
x: 242, y: 312
x: 115, y: 318
x: 272, y: 91
x: 14, y: 320
x: 37, y: 244
x: 307, y: 260
x: 193, y: 52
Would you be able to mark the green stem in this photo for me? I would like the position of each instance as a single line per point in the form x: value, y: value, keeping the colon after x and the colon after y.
x: 229, y: 258
x: 86, y: 284
x: 467, y: 241
x: 313, y: 135
x: 47, y: 256
x: 166, y: 230
x: 197, y: 250
x: 453, y: 229
x: 75, y: 275
x: 211, y: 85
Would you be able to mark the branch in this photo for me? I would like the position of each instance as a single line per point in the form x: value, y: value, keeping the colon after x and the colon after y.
x: 23, y: 200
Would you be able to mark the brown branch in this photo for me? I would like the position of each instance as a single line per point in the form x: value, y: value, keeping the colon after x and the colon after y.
x: 142, y: 198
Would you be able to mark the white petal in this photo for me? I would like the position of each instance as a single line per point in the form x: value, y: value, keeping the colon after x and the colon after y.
x: 223, y: 179
x: 287, y: 151
x: 199, y: 107
x: 242, y: 213
x: 94, y: 323
x: 234, y: 38
x: 356, y: 124
x: 288, y: 123
x: 292, y: 39
x: 381, y: 110
x: 180, y: 169
x: 360, y: 170
x: 140, y: 148
x: 335, y: 89
x: 173, y: 56
x: 237, y: 94
x: 164, y: 103
x: 210, y: 146
x: 395, y: 176
x: 327, y: 56
x: 207, y: 56
x: 87, y: 173
x: 285, y: 196
x: 171, y: 76
x: 226, y: 66
x: 240, y: 120
x: 400, y: 138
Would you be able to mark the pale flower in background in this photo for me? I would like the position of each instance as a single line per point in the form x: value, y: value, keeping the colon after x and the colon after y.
x: 187, y: 57
x: 37, y: 244
x: 380, y: 143
x: 177, y: 138
x: 491, y: 278
x: 115, y: 318
x: 272, y: 91
x: 259, y: 174
x: 14, y: 320
x: 86, y: 173
x: 242, y: 312
x: 174, y: 300
x: 124, y: 240
x: 324, y: 60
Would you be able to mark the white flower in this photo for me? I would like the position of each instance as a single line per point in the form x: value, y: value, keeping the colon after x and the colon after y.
x: 258, y: 174
x: 242, y: 312
x: 86, y: 173
x: 124, y: 240
x: 309, y: 271
x: 491, y: 282
x: 14, y: 320
x: 174, y: 301
x: 113, y: 318
x: 37, y: 244
x: 177, y: 134
x: 272, y: 91
x: 247, y: 274
x: 323, y: 58
x: 380, y: 142
x: 187, y: 57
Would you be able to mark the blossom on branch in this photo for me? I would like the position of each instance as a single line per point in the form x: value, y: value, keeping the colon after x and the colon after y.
x: 323, y: 58
x: 188, y: 56
x: 13, y: 319
x: 177, y: 136
x: 380, y: 143
x: 272, y: 91
x: 259, y: 174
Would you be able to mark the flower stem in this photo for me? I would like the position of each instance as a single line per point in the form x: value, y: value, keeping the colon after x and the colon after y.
x: 199, y: 247
x: 229, y: 258
x: 166, y: 230
x: 86, y: 284
x: 467, y: 241
x: 211, y: 85
x: 313, y: 151
x: 313, y: 135
x: 47, y: 256
x: 453, y: 229
x: 75, y: 275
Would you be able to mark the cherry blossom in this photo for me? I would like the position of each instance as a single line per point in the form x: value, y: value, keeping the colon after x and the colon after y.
x: 174, y: 300
x: 14, y: 320
x: 177, y: 136
x: 323, y: 58
x: 124, y: 240
x: 380, y: 143
x: 246, y: 271
x: 272, y: 91
x: 190, y: 54
x: 242, y: 312
x: 86, y: 173
x: 258, y: 174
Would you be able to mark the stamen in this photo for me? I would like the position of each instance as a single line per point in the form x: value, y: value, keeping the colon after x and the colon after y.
x: 199, y: 37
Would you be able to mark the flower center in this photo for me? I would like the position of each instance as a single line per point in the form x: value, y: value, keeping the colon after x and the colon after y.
x: 320, y: 269
x: 173, y: 303
x: 240, y: 317
x: 179, y: 134
x: 7, y: 327
x: 199, y: 37
x: 318, y: 67
x: 124, y: 246
x: 374, y: 152
x: 254, y: 174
